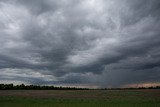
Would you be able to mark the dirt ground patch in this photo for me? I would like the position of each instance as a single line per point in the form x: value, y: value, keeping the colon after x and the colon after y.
x: 83, y: 94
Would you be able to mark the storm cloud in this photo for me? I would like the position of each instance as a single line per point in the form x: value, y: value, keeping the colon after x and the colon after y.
x: 101, y: 43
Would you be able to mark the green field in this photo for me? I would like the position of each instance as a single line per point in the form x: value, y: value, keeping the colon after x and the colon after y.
x: 80, y: 98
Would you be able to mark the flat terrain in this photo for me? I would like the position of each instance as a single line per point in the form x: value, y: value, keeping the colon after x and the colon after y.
x: 80, y: 98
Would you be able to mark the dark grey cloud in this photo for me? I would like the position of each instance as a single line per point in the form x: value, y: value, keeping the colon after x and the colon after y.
x: 102, y: 43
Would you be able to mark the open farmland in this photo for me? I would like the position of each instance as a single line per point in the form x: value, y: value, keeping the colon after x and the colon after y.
x: 80, y: 98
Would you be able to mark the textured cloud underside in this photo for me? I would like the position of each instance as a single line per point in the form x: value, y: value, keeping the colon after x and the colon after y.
x: 104, y: 43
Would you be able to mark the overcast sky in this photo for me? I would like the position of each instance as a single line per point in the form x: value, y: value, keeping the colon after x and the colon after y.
x: 91, y: 43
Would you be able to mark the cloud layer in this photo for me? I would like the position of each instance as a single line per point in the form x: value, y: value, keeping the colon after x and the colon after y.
x: 100, y: 43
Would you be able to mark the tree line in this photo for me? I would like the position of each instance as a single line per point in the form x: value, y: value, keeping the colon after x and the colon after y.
x: 38, y: 87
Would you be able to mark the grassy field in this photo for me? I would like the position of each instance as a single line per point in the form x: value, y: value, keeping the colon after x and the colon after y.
x: 80, y: 98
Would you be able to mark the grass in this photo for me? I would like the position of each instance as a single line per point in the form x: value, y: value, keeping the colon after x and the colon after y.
x: 80, y: 98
